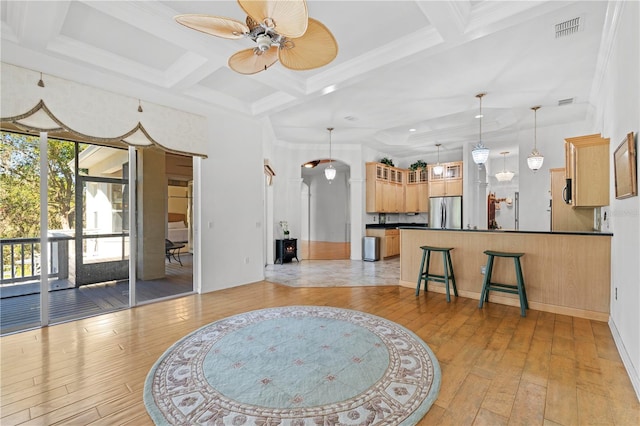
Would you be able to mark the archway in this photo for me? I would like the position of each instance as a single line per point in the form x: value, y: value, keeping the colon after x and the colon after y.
x: 325, y: 212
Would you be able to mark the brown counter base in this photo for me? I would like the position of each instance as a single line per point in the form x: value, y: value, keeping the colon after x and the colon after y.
x: 513, y: 301
x: 563, y: 273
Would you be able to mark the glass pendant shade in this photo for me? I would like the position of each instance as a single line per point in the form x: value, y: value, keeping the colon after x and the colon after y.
x: 330, y: 172
x: 535, y: 159
x: 480, y: 152
x: 504, y: 175
x: 438, y: 169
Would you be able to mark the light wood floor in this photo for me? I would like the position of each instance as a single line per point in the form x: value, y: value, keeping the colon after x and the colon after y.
x: 497, y: 368
x: 324, y: 250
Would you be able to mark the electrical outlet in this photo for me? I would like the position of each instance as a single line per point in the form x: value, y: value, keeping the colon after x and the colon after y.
x: 246, y: 260
x: 483, y: 269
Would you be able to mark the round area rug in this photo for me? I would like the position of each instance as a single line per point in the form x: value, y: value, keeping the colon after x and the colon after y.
x: 295, y: 365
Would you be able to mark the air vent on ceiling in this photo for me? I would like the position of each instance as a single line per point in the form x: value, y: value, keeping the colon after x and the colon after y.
x: 567, y: 101
x: 568, y: 27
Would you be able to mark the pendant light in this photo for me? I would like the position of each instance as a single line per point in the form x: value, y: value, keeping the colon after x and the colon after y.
x: 330, y: 172
x: 504, y: 175
x: 480, y: 152
x: 535, y: 159
x: 438, y: 169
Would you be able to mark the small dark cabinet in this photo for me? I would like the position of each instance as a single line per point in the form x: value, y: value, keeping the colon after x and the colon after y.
x: 286, y: 250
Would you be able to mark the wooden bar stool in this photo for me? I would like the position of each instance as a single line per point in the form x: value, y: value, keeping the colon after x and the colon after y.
x: 518, y: 288
x: 447, y: 265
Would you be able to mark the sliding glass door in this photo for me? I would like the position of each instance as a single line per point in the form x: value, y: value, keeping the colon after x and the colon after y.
x: 65, y: 231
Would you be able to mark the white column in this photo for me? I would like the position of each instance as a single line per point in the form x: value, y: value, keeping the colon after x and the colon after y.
x: 44, y: 230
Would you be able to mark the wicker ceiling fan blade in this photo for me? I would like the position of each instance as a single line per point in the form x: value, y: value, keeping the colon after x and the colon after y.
x: 214, y: 25
x: 317, y: 47
x: 252, y: 61
x: 288, y: 17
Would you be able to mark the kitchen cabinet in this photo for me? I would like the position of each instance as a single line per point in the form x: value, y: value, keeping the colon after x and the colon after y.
x: 389, y: 241
x: 449, y: 183
x: 416, y: 195
x: 384, y: 188
x: 587, y: 165
x: 564, y: 217
x: 377, y: 178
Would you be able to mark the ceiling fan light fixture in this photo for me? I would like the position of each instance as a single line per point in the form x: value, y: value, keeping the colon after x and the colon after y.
x: 535, y: 159
x: 264, y: 42
x: 480, y: 152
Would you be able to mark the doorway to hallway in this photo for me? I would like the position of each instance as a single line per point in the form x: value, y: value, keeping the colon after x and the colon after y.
x: 325, y: 210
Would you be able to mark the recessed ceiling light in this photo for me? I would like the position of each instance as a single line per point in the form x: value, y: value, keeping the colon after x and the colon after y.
x: 412, y: 130
x: 479, y: 115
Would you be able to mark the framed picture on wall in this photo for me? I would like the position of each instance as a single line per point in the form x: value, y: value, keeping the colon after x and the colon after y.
x: 624, y: 163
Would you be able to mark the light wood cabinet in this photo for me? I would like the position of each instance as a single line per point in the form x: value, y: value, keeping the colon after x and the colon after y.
x: 384, y: 188
x: 377, y: 179
x: 416, y: 195
x: 389, y: 241
x: 564, y: 217
x: 587, y: 165
x: 449, y: 183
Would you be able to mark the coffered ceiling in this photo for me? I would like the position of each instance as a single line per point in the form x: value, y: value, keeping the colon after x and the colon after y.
x: 401, y: 65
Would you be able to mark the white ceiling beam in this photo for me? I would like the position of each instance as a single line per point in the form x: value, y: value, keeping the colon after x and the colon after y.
x: 450, y: 18
x: 35, y: 23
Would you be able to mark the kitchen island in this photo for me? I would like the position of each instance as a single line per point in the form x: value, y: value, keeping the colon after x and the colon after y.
x: 565, y: 272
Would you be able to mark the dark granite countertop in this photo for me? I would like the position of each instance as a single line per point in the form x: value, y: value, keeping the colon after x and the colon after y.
x: 395, y: 225
x: 506, y: 231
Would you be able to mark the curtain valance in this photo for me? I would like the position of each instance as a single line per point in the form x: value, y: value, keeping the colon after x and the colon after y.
x: 96, y: 115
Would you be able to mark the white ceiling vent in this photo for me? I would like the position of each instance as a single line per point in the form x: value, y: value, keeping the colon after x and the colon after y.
x: 567, y: 101
x: 569, y: 27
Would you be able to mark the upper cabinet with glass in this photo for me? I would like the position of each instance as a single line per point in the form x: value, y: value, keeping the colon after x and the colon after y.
x: 448, y: 183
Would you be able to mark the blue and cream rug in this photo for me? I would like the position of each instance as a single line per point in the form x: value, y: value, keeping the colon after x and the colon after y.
x: 295, y: 365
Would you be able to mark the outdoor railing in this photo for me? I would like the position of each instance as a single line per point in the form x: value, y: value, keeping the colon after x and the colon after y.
x: 20, y: 258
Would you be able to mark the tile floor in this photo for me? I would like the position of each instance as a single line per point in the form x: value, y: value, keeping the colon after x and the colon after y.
x: 335, y: 273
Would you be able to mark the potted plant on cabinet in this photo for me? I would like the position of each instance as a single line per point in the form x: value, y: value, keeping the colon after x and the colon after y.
x: 419, y: 164
x: 387, y: 161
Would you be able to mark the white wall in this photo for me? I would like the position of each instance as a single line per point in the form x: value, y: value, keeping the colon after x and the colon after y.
x: 535, y: 187
x: 618, y: 112
x: 288, y: 185
x: 329, y: 207
x: 231, y: 199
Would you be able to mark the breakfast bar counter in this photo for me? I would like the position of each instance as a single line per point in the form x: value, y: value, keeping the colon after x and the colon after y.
x: 564, y: 272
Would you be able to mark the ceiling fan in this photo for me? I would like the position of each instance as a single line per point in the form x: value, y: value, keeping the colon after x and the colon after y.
x: 281, y: 29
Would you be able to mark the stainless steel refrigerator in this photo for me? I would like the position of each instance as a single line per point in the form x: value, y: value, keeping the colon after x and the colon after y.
x: 445, y: 212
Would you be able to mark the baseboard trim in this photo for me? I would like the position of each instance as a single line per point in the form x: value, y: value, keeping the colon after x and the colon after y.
x: 513, y: 301
x: 626, y: 359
